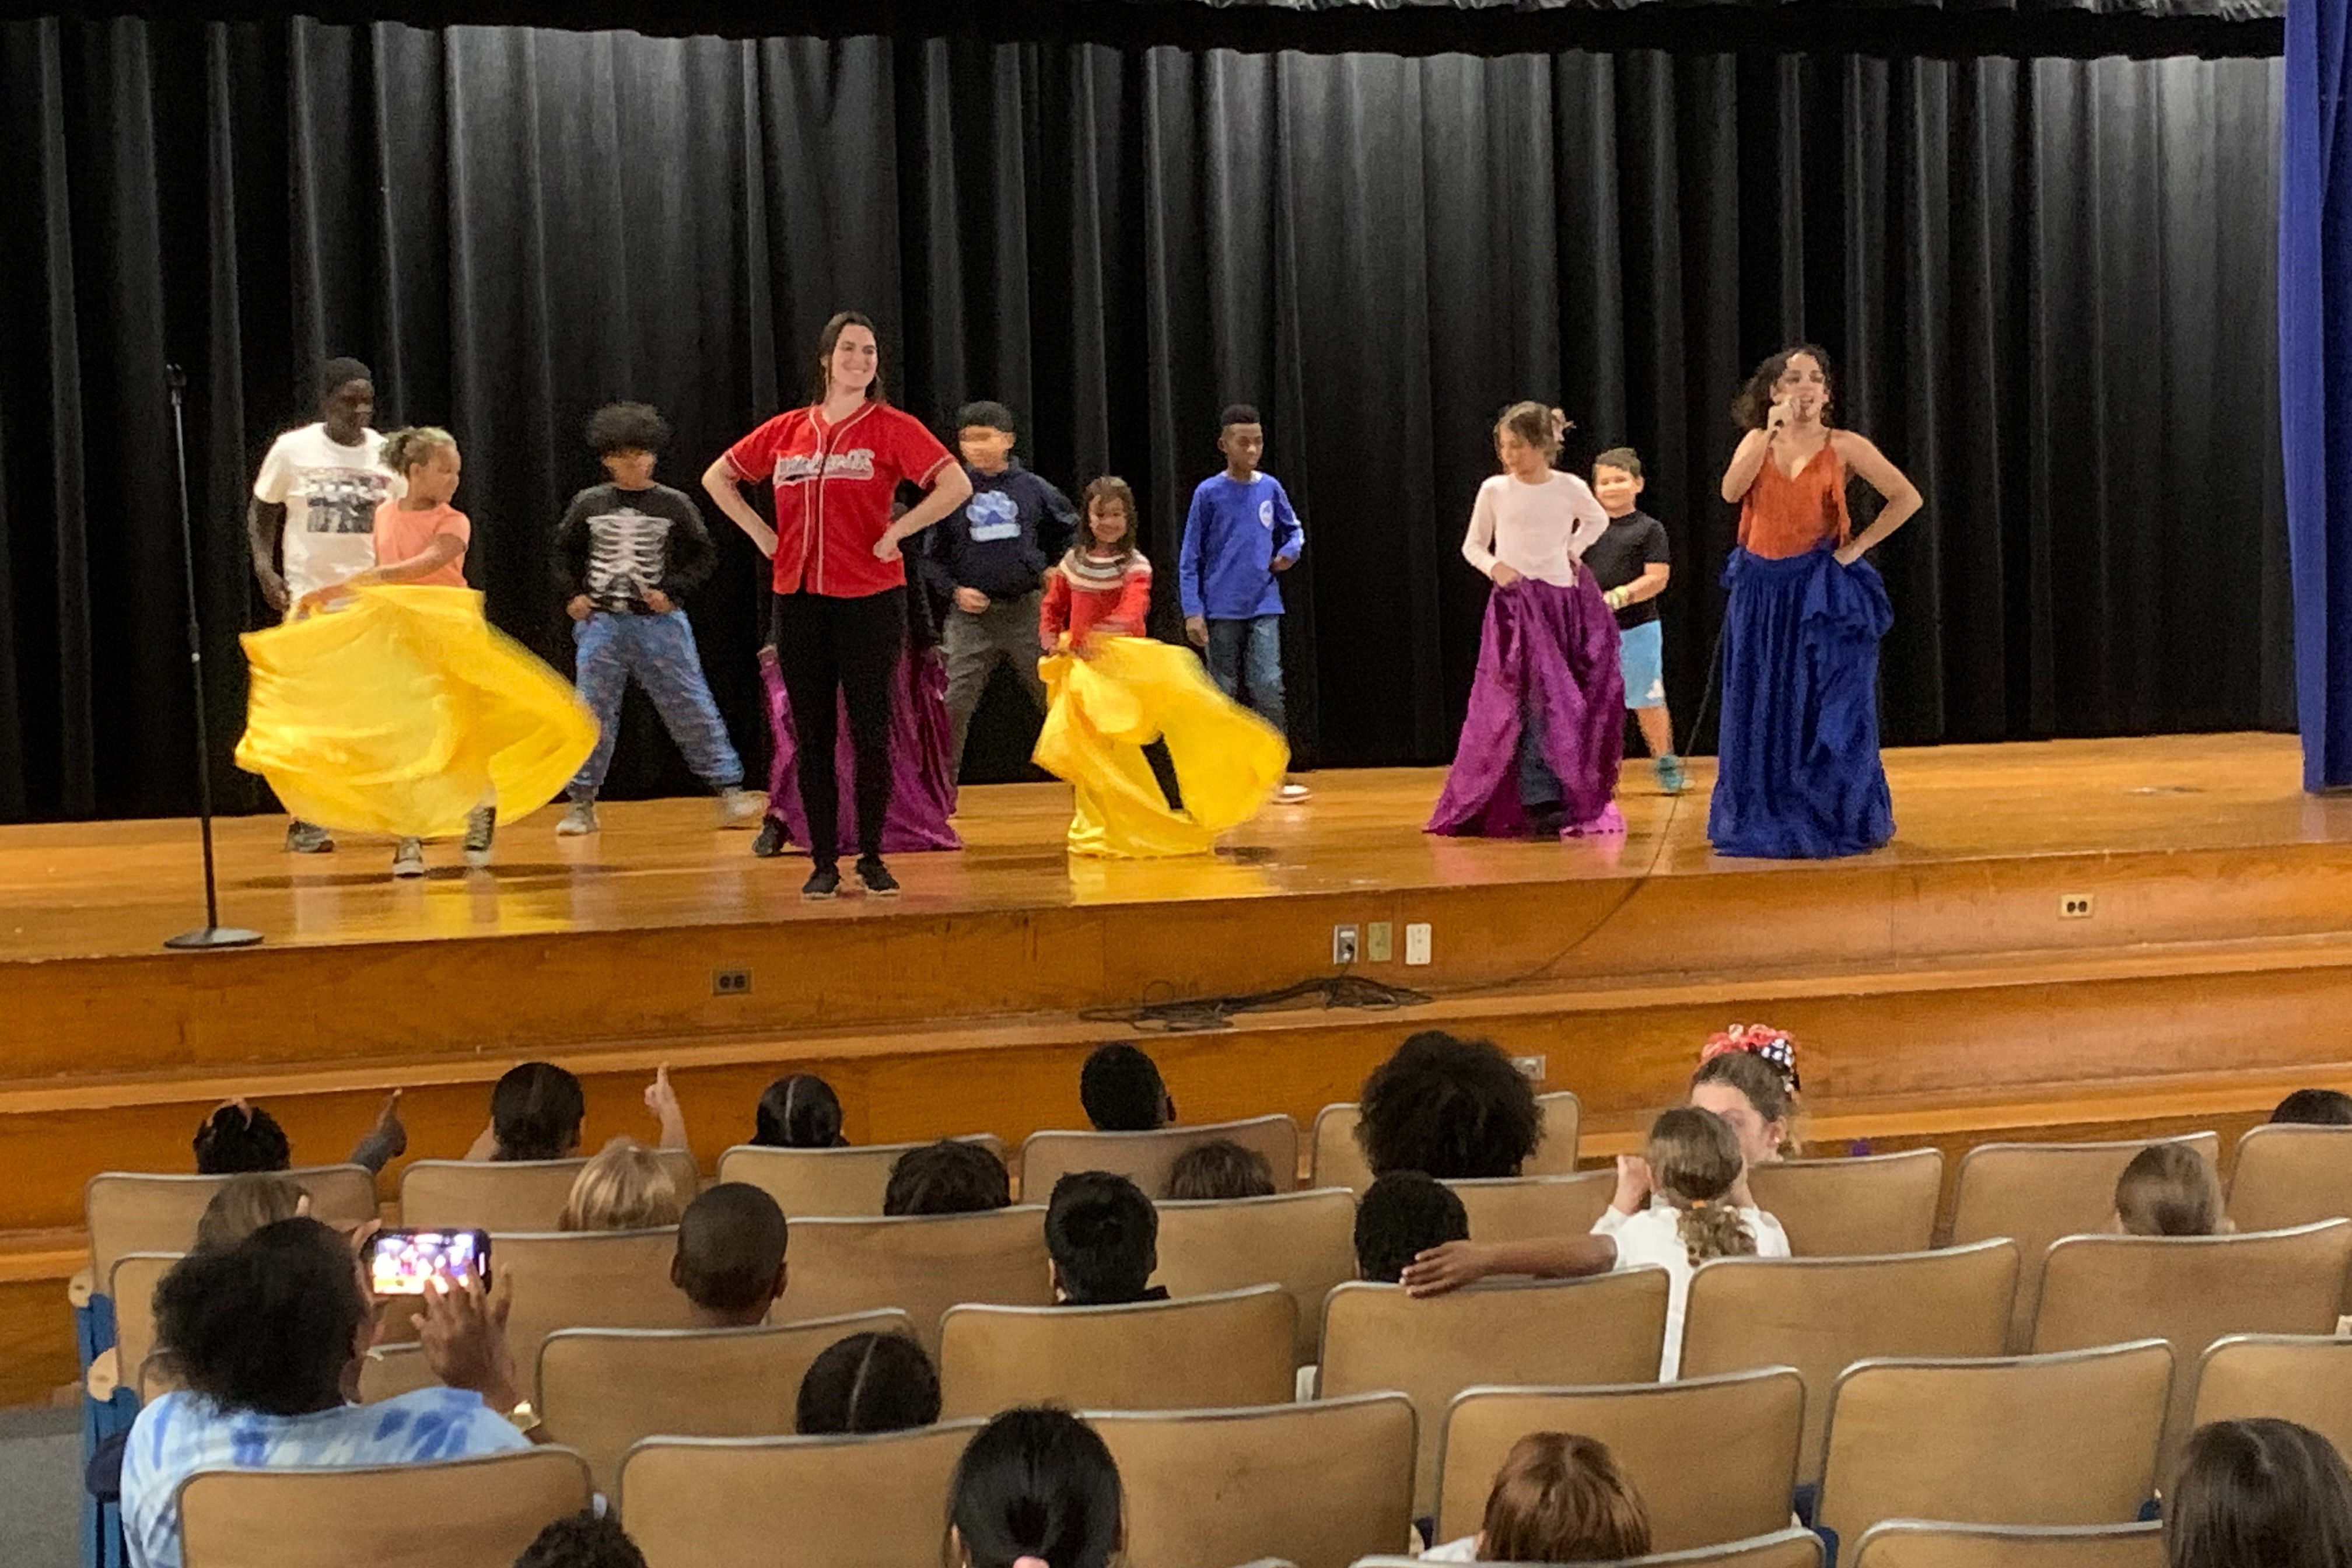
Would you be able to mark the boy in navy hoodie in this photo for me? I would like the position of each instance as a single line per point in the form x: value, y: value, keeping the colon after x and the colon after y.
x: 989, y: 560
x: 1240, y: 533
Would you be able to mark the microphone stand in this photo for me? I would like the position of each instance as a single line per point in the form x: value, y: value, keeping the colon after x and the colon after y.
x: 213, y: 934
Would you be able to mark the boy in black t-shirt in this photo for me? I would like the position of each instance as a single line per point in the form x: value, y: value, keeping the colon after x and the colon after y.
x: 629, y: 552
x: 1631, y: 564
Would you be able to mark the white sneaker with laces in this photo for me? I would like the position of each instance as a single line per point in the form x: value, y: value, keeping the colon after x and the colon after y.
x: 579, y: 821
x: 408, y: 860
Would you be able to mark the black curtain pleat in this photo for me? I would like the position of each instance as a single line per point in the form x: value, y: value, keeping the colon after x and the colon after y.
x: 2045, y: 283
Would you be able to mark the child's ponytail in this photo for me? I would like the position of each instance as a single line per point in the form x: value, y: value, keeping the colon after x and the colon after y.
x: 405, y: 448
x: 1695, y: 1164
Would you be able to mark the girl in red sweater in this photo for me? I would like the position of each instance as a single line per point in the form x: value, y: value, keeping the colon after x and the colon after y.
x: 1104, y: 582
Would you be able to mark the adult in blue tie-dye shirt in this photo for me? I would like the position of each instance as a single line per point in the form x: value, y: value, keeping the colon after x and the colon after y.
x: 265, y: 1338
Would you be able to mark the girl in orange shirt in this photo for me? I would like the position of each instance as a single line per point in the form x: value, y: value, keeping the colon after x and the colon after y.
x: 1799, y: 776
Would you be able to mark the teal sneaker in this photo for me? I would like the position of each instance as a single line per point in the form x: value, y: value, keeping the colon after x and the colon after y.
x: 1671, y: 777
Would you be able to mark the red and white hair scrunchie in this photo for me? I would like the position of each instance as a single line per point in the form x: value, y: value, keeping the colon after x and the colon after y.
x: 1775, y: 1046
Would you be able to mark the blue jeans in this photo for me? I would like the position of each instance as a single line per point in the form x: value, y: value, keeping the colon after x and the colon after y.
x: 1250, y: 651
x: 659, y: 651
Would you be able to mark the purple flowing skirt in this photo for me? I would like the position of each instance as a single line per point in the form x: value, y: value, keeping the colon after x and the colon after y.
x: 922, y: 774
x: 1552, y: 651
x: 1799, y: 777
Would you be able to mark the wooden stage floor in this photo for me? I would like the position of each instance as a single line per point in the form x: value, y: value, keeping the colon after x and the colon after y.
x: 116, y: 889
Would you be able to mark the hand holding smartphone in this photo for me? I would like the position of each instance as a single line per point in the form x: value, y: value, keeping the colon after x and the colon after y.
x: 404, y: 1262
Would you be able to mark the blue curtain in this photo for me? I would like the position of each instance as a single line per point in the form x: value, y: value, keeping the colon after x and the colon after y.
x: 2316, y: 376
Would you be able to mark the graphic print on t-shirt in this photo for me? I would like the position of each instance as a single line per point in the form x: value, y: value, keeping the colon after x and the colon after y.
x: 801, y: 467
x: 341, y: 500
x: 994, y: 515
x: 626, y: 553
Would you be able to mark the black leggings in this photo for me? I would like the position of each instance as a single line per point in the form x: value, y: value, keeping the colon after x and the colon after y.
x: 843, y: 651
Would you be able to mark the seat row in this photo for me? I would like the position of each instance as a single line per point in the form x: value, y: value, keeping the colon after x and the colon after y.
x: 2064, y: 1439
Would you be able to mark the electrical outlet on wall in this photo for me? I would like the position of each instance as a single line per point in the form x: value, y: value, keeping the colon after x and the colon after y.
x: 1378, y: 942
x: 1416, y: 944
x: 1343, y: 944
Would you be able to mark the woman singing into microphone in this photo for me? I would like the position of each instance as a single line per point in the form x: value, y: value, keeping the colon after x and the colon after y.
x: 1800, y: 777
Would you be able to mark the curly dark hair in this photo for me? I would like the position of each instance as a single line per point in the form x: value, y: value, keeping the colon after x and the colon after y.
x: 1401, y: 1217
x: 268, y: 1324
x: 627, y: 428
x: 1755, y: 400
x: 582, y: 1540
x: 239, y: 1138
x: 1449, y: 1107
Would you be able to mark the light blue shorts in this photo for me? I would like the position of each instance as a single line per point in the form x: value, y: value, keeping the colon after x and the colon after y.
x: 1641, y: 653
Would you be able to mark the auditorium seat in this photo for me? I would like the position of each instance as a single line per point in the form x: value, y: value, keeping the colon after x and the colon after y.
x: 2190, y: 1291
x: 2289, y: 1176
x: 2044, y: 1439
x: 1204, y: 1351
x: 594, y: 1279
x: 1861, y: 1206
x: 1338, y: 1159
x: 386, y: 1372
x: 129, y: 1211
x: 1317, y: 1485
x: 792, y: 1502
x: 811, y: 1182
x: 518, y: 1196
x: 1145, y: 1158
x: 1528, y: 1208
x: 1821, y: 1315
x: 1917, y: 1543
x: 602, y: 1390
x: 131, y: 1284
x: 1714, y: 1459
x: 460, y: 1513
x: 1304, y: 1242
x: 920, y: 1264
x: 2035, y: 1192
x: 1556, y: 1333
x: 1789, y: 1548
x: 2306, y: 1379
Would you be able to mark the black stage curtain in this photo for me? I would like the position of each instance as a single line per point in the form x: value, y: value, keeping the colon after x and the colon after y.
x: 2048, y: 285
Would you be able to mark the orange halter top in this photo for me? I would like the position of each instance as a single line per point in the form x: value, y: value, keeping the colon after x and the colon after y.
x: 1780, y: 517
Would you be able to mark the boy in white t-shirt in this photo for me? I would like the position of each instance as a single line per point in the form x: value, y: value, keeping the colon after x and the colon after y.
x: 314, y: 504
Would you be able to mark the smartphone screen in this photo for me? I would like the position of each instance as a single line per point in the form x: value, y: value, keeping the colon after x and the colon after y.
x: 401, y: 1261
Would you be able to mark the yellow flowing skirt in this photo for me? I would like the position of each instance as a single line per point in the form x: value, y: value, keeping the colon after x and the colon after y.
x: 403, y: 712
x: 1127, y: 691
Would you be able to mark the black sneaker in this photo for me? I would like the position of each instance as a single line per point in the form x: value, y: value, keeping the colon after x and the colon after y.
x: 877, y: 877
x: 308, y: 838
x: 771, y: 842
x: 823, y: 883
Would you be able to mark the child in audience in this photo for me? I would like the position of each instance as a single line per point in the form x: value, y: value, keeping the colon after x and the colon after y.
x: 536, y: 1109
x: 265, y: 1339
x: 800, y: 1111
x: 1401, y: 1216
x: 1035, y: 1489
x: 867, y: 1383
x: 1122, y: 1092
x: 625, y: 1187
x: 1748, y: 1075
x: 247, y: 1203
x: 1690, y: 1169
x: 947, y: 1177
x: 631, y: 551
x: 582, y: 1540
x: 1104, y: 1237
x: 1449, y: 1107
x: 2169, y: 1190
x: 2258, y: 1494
x: 1631, y: 565
x: 2314, y: 1108
x: 1557, y: 1498
x: 1220, y: 1168
x: 241, y: 1136
x: 1240, y: 536
x: 730, y: 1256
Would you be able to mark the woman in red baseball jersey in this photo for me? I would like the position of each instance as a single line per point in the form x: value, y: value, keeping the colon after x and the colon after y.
x: 841, y: 585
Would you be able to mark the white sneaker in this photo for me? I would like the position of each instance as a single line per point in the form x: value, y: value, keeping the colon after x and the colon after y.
x: 1292, y: 794
x: 741, y: 807
x: 579, y: 821
x: 408, y: 860
x: 481, y: 831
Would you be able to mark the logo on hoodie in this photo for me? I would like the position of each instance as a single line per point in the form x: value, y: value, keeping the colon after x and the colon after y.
x: 992, y: 515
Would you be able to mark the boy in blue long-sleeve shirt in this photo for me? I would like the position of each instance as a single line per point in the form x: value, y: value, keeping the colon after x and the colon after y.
x: 1240, y: 533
